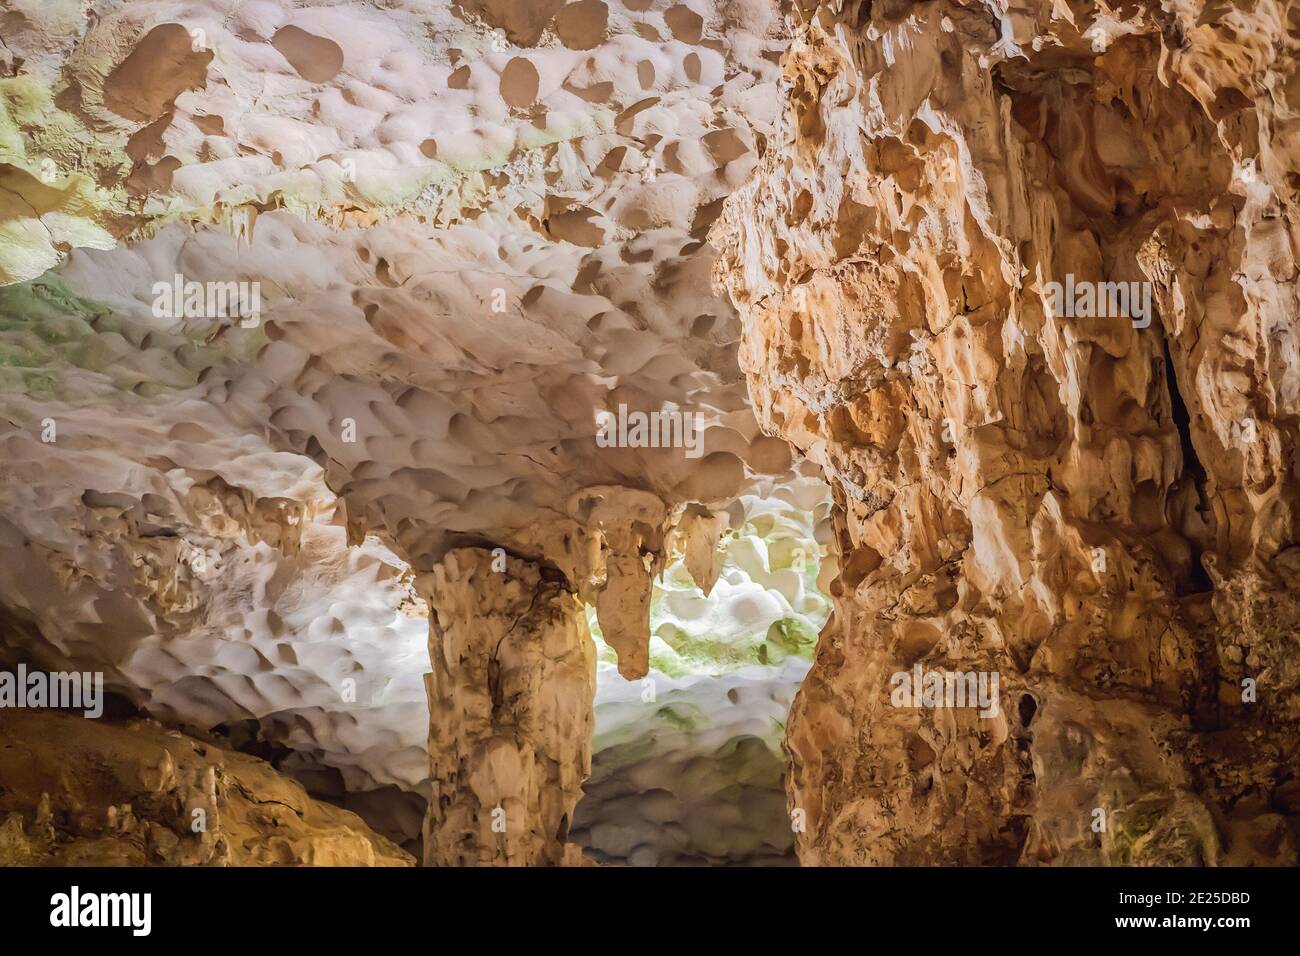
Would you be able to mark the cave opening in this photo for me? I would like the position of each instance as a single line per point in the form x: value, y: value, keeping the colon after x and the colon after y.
x: 689, y: 762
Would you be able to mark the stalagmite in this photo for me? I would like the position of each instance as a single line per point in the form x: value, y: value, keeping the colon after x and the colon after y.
x: 423, y: 251
x: 510, y: 712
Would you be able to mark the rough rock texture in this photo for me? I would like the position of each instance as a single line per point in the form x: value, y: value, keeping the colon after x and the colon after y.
x: 474, y: 226
x: 80, y: 792
x: 456, y: 277
x: 514, y: 672
x: 1103, y: 515
x: 322, y: 649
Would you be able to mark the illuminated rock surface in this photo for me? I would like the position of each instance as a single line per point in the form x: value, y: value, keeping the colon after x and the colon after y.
x: 688, y: 765
x: 472, y: 229
x: 477, y: 232
x: 510, y: 723
x: 1101, y: 513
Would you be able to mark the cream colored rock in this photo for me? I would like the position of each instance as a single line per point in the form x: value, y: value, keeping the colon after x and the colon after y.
x: 473, y: 228
x: 698, y: 533
x: 466, y: 249
x: 510, y: 718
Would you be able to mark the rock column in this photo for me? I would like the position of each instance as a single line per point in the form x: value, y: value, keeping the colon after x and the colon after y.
x: 510, y: 702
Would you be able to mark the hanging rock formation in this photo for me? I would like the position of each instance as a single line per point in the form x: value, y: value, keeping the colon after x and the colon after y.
x: 688, y: 764
x: 1094, y: 503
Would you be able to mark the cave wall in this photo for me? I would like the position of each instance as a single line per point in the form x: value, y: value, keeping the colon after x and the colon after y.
x: 1100, y: 511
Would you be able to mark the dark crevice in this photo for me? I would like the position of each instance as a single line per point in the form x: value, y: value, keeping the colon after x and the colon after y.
x: 1187, y: 495
x: 1196, y: 581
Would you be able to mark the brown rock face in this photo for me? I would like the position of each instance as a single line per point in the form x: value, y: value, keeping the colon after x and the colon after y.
x: 81, y: 792
x: 1041, y: 476
x: 510, y: 712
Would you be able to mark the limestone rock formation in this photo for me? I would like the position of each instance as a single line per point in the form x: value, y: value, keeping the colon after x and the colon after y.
x: 514, y: 671
x: 295, y: 278
x: 1092, y: 499
x: 694, y: 777
x: 80, y: 792
x: 362, y: 360
x: 502, y: 242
